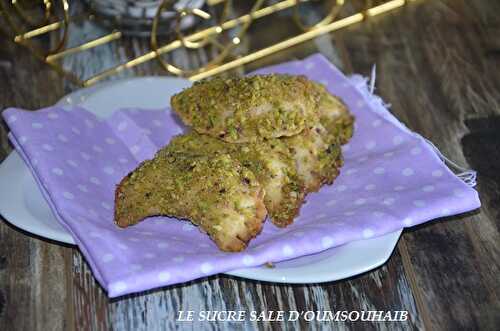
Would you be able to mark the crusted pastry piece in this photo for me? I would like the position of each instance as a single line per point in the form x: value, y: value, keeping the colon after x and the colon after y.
x: 269, y: 160
x: 275, y: 170
x: 333, y: 115
x: 250, y: 108
x: 216, y: 193
x: 260, y: 144
x: 317, y: 156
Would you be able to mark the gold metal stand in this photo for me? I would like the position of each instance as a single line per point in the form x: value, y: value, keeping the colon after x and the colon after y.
x: 23, y: 30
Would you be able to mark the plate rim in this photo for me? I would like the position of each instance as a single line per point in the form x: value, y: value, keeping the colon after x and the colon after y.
x: 260, y: 273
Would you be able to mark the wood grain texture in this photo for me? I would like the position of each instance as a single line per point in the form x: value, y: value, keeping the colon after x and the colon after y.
x: 434, y: 69
x: 383, y: 289
x: 34, y: 273
x: 437, y: 65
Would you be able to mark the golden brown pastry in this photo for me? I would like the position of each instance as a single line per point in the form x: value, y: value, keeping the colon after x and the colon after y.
x: 259, y: 145
x: 248, y: 109
x: 271, y: 163
x: 317, y: 156
x: 216, y: 193
x: 334, y: 115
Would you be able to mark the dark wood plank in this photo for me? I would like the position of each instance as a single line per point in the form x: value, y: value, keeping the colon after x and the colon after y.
x: 436, y: 69
x: 34, y: 273
x: 382, y: 289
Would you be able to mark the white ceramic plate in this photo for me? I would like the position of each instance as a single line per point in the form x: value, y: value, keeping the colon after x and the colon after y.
x: 23, y: 205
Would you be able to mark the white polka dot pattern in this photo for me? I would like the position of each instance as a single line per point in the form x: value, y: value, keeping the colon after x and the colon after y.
x: 164, y: 276
x: 327, y: 242
x: 248, y: 260
x: 288, y: 250
x: 408, y: 172
x: 389, y: 180
x: 118, y: 287
x: 107, y: 258
x: 368, y: 233
x: 206, y: 268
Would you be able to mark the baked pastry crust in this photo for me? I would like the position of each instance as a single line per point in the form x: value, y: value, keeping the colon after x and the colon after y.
x: 248, y: 109
x: 216, y: 193
x: 259, y: 144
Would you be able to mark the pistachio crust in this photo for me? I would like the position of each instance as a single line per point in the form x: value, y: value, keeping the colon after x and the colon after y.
x: 216, y: 193
x: 333, y: 115
x: 271, y: 163
x: 317, y: 156
x: 248, y: 109
x: 259, y: 145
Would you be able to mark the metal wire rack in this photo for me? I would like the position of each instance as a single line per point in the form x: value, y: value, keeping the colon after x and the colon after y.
x: 53, y: 17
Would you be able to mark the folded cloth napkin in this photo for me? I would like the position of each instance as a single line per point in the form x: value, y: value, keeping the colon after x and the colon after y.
x: 391, y: 179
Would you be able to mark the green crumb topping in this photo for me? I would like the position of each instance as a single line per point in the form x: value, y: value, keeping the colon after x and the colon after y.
x: 257, y: 140
x: 270, y: 161
x: 250, y: 108
x: 188, y: 186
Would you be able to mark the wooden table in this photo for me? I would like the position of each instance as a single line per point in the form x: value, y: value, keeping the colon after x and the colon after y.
x: 438, y: 65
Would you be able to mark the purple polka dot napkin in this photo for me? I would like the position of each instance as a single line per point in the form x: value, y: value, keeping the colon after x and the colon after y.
x: 391, y: 179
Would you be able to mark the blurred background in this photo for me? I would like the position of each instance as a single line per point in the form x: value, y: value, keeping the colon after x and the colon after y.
x: 190, y: 38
